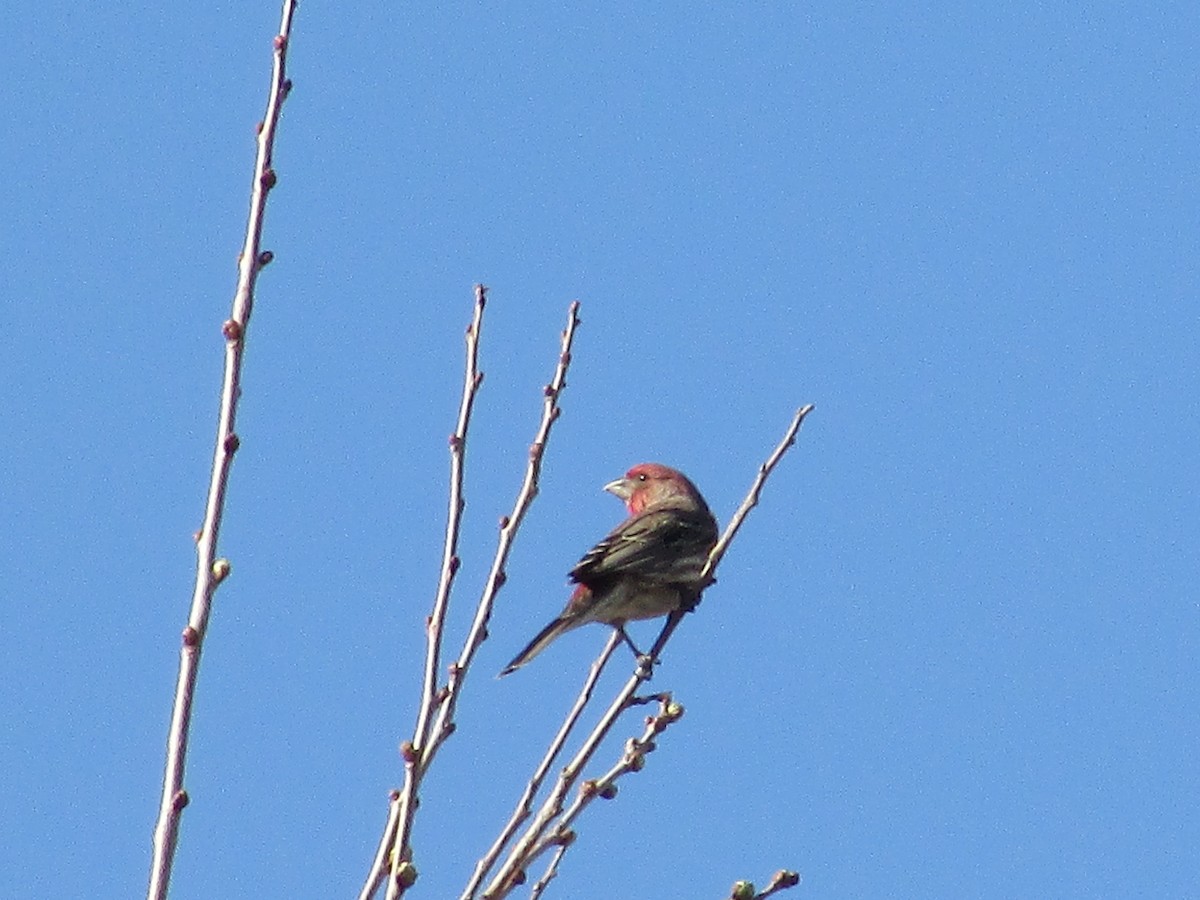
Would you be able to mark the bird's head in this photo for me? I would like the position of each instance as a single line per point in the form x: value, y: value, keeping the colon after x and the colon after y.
x: 655, y: 486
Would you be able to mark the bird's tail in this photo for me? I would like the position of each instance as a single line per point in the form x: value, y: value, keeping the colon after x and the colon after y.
x: 541, y: 641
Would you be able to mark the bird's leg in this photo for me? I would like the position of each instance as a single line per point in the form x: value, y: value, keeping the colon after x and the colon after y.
x: 644, y: 660
x: 628, y: 641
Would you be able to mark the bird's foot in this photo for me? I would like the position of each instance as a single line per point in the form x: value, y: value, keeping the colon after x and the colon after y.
x: 645, y: 666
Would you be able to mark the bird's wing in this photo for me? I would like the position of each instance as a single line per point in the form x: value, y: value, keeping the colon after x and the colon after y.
x: 666, y: 546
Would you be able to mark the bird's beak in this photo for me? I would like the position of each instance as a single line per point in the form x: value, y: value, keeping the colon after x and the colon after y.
x: 620, y: 488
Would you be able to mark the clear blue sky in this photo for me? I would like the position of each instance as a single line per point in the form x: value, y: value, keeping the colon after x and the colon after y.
x: 953, y: 654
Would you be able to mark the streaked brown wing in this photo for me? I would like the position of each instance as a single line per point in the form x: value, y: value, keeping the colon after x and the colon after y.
x: 665, y: 546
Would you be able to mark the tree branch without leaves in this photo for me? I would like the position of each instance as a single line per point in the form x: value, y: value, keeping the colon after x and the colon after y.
x: 435, y: 721
x: 211, y: 571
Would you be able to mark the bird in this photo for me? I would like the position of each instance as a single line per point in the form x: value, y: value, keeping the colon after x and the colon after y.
x: 648, y: 566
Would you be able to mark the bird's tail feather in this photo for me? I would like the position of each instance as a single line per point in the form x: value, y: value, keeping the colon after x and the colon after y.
x: 541, y: 641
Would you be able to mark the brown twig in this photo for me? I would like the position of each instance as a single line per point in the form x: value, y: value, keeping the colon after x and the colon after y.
x: 211, y: 571
x: 550, y: 824
x: 525, y: 804
x: 400, y: 821
x: 605, y: 787
x: 509, y: 526
x: 436, y: 719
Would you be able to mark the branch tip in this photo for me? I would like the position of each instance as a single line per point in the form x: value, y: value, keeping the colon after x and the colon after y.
x: 785, y: 878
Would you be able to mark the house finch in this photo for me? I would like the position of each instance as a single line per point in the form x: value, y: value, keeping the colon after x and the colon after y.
x: 647, y: 566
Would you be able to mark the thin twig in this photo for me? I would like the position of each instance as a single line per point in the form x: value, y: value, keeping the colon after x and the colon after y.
x: 211, y: 571
x: 379, y: 865
x: 539, y: 886
x: 540, y: 836
x: 436, y: 722
x: 431, y: 696
x: 605, y: 787
x: 509, y: 526
x: 525, y: 804
x: 751, y: 501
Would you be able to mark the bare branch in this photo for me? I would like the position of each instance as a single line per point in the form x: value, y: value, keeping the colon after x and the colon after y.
x: 210, y: 570
x: 379, y: 865
x: 400, y: 825
x: 525, y: 804
x: 605, y: 787
x: 751, y: 501
x: 509, y: 526
x: 436, y: 717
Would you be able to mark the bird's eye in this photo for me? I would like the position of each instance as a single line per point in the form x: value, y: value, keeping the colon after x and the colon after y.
x: 641, y: 476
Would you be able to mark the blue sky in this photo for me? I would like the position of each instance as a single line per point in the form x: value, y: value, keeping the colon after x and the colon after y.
x: 953, y: 654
